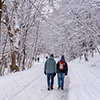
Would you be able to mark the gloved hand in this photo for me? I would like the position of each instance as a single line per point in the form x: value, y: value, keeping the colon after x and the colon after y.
x: 45, y: 72
x: 66, y: 73
x: 54, y: 74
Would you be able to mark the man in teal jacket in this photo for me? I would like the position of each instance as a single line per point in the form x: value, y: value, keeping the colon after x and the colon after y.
x: 50, y: 71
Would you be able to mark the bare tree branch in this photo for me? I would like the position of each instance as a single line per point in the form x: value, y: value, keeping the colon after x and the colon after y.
x: 3, y: 1
x: 37, y: 10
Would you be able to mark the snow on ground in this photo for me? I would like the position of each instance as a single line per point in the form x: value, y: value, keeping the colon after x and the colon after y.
x: 85, y: 79
x: 82, y: 83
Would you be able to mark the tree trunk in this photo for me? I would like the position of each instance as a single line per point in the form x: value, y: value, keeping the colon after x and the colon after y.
x: 23, y: 68
x: 13, y: 66
x: 85, y: 55
x: 1, y: 5
x: 0, y: 31
x: 0, y: 18
x: 36, y: 39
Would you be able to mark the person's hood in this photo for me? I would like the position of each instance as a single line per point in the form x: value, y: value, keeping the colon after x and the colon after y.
x: 51, y: 58
x: 62, y: 59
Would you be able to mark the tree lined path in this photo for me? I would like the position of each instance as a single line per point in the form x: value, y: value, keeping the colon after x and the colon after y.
x: 31, y: 85
x: 82, y: 83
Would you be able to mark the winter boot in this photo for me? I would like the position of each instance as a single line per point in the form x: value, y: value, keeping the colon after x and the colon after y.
x: 58, y: 87
x: 48, y: 88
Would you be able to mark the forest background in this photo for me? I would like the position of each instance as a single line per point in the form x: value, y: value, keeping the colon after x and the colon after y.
x: 29, y: 28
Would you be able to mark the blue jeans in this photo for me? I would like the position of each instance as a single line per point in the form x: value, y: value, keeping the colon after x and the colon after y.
x: 61, y: 77
x: 50, y: 79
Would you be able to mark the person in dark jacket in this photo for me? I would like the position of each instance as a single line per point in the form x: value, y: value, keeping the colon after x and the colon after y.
x: 46, y: 57
x: 62, y: 70
x: 38, y: 59
x: 50, y: 71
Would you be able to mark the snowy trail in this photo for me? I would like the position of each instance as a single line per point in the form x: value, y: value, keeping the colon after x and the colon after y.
x: 30, y: 85
x: 26, y: 87
x: 82, y: 83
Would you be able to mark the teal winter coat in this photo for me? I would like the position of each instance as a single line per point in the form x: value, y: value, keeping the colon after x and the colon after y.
x: 50, y: 65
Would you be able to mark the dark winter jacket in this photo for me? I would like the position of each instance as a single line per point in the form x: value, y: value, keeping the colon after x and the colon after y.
x: 50, y: 65
x: 65, y: 69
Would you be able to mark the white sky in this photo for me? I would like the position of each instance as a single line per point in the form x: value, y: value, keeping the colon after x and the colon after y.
x: 82, y: 83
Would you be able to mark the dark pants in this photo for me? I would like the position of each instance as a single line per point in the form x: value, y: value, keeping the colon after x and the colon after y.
x: 50, y: 79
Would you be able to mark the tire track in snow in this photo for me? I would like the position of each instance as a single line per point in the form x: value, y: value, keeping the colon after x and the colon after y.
x: 25, y: 87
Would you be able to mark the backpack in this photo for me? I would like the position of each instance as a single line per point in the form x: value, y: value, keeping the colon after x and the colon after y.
x: 61, y: 65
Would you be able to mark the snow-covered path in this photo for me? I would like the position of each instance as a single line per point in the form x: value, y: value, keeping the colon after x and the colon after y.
x: 82, y: 83
x: 30, y: 85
